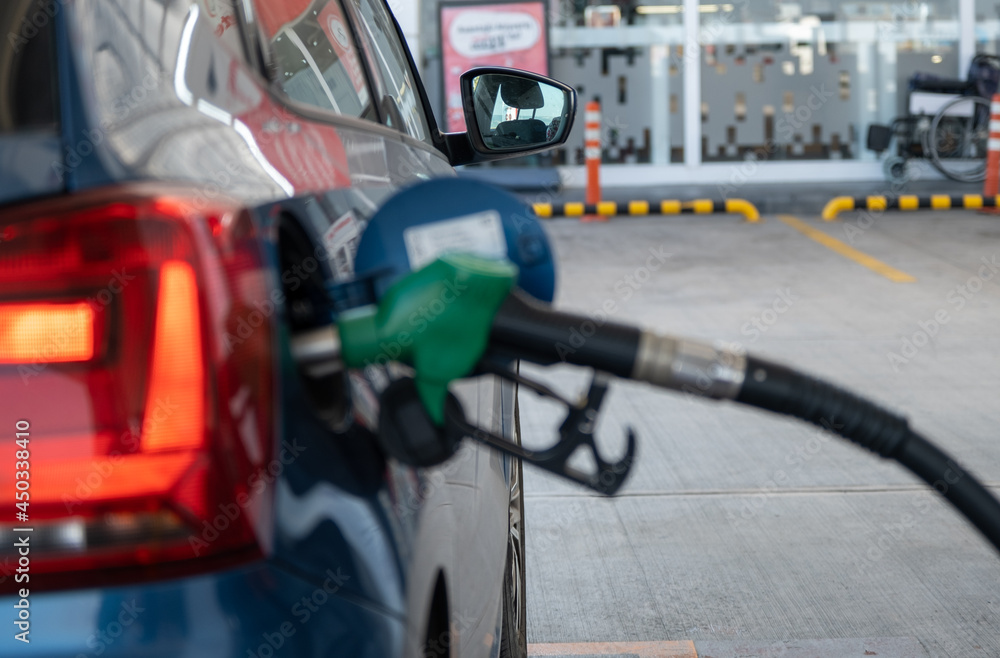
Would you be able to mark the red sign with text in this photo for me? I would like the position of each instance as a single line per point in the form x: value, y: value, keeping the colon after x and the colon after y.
x: 503, y: 34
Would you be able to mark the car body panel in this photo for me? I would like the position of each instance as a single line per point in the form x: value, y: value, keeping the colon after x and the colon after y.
x: 240, y: 612
x: 151, y: 94
x: 25, y: 165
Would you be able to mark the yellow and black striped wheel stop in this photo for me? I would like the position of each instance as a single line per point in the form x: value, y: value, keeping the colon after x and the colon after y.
x: 908, y: 202
x: 643, y: 208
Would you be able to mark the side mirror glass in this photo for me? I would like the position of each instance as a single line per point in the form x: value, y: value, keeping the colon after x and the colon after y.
x: 510, y: 111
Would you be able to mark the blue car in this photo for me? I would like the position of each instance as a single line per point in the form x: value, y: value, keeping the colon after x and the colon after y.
x: 182, y: 184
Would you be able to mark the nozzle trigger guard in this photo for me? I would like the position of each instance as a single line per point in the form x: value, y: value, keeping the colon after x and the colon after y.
x: 576, y: 431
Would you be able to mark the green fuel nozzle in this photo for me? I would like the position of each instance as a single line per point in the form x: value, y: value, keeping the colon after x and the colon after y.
x: 436, y: 320
x: 441, y: 320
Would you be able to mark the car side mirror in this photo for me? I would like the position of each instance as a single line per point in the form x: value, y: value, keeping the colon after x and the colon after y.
x: 510, y: 113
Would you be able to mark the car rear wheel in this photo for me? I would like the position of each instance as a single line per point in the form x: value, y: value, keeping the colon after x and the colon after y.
x: 514, y: 627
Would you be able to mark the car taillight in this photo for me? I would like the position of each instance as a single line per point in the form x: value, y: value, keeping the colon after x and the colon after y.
x: 149, y: 420
x: 27, y: 330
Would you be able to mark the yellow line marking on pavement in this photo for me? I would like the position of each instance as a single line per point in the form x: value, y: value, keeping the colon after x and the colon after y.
x: 848, y: 251
x: 684, y: 649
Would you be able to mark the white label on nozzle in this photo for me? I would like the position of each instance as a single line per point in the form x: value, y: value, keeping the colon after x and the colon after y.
x: 480, y: 234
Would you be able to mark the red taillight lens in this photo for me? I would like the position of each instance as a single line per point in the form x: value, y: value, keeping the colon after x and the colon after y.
x: 57, y: 333
x: 111, y: 348
x: 178, y: 371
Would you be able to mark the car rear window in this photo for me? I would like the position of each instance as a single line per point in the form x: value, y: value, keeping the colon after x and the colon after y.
x: 28, y: 98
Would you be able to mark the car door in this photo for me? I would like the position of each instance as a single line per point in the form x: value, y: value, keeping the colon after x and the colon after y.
x: 475, y: 482
x: 457, y: 512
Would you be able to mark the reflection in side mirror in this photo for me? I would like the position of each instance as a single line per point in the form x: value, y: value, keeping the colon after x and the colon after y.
x: 511, y: 111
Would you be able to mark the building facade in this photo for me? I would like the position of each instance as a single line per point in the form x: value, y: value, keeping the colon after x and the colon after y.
x: 690, y: 87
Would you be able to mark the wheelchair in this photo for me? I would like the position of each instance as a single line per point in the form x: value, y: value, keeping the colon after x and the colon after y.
x: 948, y: 123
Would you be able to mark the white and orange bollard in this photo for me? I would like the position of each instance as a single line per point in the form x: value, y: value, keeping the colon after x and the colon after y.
x: 592, y: 154
x: 991, y: 185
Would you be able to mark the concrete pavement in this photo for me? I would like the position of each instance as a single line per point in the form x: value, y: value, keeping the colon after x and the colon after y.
x: 753, y: 535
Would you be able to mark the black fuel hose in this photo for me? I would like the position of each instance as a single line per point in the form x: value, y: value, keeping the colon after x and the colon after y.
x: 782, y: 390
x: 528, y: 330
